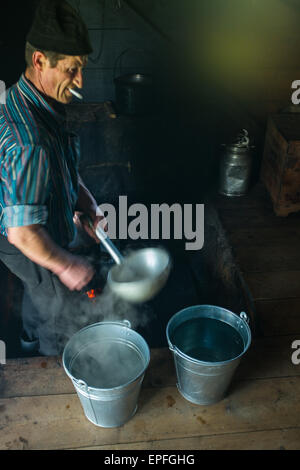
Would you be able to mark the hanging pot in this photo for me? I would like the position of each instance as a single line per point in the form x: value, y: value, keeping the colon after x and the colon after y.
x: 134, y: 92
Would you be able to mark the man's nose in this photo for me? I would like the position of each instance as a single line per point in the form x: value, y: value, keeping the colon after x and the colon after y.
x: 78, y: 80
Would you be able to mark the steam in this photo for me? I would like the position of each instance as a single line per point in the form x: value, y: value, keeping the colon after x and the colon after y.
x: 104, y: 364
x: 80, y: 311
x: 67, y: 312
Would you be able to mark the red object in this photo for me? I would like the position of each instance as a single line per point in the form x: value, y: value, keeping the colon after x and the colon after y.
x: 93, y: 293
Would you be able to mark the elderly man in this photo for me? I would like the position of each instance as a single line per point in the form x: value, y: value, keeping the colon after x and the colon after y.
x: 40, y: 188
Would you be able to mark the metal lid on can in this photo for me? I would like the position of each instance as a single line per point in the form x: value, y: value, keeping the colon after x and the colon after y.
x: 241, y: 144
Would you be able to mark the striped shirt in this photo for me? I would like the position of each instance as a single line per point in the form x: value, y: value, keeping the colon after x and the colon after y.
x: 38, y: 164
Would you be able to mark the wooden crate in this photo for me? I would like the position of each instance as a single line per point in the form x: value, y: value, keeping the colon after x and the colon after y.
x: 280, y: 171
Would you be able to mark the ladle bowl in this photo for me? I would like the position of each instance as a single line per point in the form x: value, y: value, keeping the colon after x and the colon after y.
x: 138, y: 276
x: 141, y: 275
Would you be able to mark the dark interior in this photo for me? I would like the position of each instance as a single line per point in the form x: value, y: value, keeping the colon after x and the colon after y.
x: 157, y: 140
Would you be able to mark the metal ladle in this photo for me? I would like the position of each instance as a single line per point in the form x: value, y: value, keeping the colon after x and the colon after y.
x: 138, y: 276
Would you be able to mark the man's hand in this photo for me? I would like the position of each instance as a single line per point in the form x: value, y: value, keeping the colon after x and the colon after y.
x: 89, y: 223
x: 77, y: 274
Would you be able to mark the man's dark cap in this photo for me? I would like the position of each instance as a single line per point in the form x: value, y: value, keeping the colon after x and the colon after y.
x: 59, y: 28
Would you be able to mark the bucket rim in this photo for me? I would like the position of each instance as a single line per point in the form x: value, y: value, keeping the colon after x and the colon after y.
x: 180, y: 353
x: 81, y: 383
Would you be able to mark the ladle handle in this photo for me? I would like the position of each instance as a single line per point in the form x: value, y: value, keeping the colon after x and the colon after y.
x: 108, y: 244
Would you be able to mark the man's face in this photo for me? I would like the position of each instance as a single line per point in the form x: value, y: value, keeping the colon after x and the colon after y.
x: 67, y: 73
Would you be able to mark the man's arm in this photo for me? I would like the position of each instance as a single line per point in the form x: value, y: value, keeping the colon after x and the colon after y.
x: 87, y: 205
x: 86, y: 202
x: 35, y: 243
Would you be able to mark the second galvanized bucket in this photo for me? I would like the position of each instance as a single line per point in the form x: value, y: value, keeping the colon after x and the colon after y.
x: 106, y: 362
x: 208, y: 343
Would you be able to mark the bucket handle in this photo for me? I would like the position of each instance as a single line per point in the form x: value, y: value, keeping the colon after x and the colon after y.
x: 118, y: 61
x: 123, y: 323
x: 244, y: 317
x: 81, y: 384
x: 174, y: 349
x: 126, y: 323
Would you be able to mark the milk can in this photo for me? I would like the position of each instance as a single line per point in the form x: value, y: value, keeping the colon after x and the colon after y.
x: 236, y: 166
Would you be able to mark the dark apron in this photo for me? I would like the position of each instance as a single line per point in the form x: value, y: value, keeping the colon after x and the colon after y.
x: 51, y: 312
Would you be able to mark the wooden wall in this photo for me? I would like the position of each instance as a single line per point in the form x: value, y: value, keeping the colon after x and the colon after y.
x: 123, y: 43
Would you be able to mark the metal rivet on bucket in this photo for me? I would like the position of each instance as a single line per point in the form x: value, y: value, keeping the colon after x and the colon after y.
x: 208, y: 343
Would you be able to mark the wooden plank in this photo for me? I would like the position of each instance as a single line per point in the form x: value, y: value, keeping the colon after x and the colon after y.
x: 111, y: 33
x: 264, y: 237
x: 279, y: 439
x: 273, y: 160
x: 258, y: 216
x: 257, y: 258
x: 58, y: 422
x: 92, y: 13
x: 110, y: 44
x: 279, y: 317
x: 255, y: 210
x: 166, y: 21
x: 96, y: 13
x: 34, y: 376
x: 262, y: 218
x: 273, y: 285
x: 45, y: 376
x: 256, y: 197
x: 268, y: 357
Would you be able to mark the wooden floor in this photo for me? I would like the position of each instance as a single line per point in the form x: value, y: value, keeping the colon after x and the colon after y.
x: 40, y: 410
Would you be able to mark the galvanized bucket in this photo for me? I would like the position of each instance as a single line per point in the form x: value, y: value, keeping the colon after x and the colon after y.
x: 208, y: 343
x: 106, y: 362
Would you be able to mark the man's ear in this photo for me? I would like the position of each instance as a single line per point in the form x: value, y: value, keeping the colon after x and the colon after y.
x: 39, y: 60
